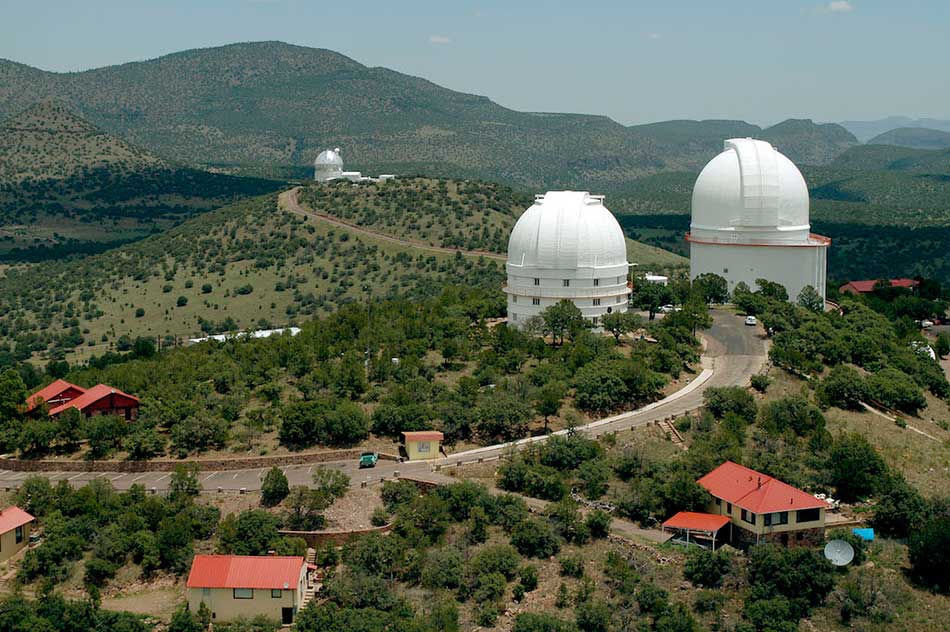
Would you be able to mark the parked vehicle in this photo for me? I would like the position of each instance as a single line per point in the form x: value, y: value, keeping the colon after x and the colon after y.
x: 368, y: 459
x: 752, y: 321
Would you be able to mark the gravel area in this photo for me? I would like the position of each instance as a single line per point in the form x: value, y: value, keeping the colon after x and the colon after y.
x: 354, y: 510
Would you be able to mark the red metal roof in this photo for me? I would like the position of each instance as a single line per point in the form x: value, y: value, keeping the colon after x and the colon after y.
x: 245, y: 571
x: 51, y: 391
x: 863, y: 287
x: 695, y: 521
x: 423, y: 435
x: 756, y: 492
x: 13, y: 517
x: 90, y: 397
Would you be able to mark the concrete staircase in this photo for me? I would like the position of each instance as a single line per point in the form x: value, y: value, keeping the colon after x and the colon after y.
x: 313, y: 580
x: 667, y: 426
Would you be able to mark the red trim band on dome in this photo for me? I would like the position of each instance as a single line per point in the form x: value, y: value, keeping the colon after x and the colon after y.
x: 815, y: 241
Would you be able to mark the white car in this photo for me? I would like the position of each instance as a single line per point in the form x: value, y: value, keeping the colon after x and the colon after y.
x: 667, y: 309
x: 752, y: 321
x: 926, y: 324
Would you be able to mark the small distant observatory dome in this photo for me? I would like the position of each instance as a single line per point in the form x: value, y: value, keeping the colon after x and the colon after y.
x: 566, y: 246
x: 750, y: 190
x: 328, y: 165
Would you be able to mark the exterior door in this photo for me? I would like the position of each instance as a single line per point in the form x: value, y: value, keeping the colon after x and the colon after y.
x: 286, y: 616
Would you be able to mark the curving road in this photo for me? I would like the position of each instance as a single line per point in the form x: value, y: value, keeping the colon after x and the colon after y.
x: 289, y: 202
x: 734, y: 352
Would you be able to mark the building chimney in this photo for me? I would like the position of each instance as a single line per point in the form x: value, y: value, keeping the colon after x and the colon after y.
x: 760, y: 482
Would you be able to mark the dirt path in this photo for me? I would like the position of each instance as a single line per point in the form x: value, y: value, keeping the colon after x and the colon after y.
x: 288, y: 201
x: 891, y: 418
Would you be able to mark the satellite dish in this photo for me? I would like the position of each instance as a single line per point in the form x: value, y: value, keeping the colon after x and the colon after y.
x: 839, y: 552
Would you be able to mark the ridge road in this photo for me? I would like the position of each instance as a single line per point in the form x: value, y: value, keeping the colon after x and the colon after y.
x: 734, y: 353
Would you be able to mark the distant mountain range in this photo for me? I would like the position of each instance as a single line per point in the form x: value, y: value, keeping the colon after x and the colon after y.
x: 270, y: 106
x: 913, y: 137
x: 866, y: 130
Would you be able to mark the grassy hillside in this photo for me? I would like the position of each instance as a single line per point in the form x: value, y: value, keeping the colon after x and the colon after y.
x: 266, y: 104
x: 914, y: 137
x: 804, y: 142
x: 446, y: 213
x: 66, y: 186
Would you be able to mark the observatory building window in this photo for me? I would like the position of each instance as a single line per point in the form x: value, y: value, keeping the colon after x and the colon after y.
x: 807, y: 515
x: 620, y: 299
x: 748, y: 516
x: 535, y: 301
x: 596, y: 302
x: 514, y: 298
x: 773, y: 519
x: 537, y: 281
x: 596, y: 282
x: 514, y: 317
x: 567, y: 283
x: 596, y: 321
x: 243, y: 593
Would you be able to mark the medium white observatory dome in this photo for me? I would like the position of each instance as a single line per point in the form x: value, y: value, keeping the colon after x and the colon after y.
x: 566, y: 230
x: 328, y: 165
x: 566, y: 246
x: 750, y: 192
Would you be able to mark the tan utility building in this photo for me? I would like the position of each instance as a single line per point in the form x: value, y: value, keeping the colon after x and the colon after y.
x: 233, y: 586
x: 422, y: 445
x: 15, y: 528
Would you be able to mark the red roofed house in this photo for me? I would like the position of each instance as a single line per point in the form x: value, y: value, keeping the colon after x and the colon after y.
x: 15, y: 527
x: 98, y: 400
x: 233, y: 586
x: 866, y: 287
x: 764, y: 508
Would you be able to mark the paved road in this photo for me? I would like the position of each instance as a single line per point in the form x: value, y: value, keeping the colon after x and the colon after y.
x: 734, y: 353
x: 288, y: 201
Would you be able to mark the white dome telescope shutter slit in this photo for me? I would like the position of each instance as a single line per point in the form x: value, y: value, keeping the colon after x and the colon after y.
x: 758, y: 168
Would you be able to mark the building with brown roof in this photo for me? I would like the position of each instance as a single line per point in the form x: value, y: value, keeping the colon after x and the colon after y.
x: 15, y: 527
x: 98, y: 400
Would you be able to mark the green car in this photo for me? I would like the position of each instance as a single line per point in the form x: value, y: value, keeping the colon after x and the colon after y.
x: 368, y: 459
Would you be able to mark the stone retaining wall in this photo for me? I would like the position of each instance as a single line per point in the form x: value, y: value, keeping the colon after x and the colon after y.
x: 168, y: 465
x: 315, y: 539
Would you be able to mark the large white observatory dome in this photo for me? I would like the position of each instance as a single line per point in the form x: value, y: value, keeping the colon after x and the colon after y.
x: 750, y: 221
x: 328, y: 165
x: 750, y: 191
x: 567, y: 245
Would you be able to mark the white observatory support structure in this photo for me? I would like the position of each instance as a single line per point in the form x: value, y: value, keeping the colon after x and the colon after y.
x: 750, y: 220
x: 566, y: 246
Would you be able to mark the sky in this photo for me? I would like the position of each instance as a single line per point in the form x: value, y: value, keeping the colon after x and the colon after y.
x: 636, y: 62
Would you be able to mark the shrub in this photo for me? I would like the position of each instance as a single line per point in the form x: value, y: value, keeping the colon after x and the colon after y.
x: 730, y: 399
x: 929, y: 549
x: 706, y: 568
x: 708, y: 601
x: 535, y: 538
x: 139, y: 312
x: 843, y: 387
x: 592, y: 616
x: 380, y: 517
x: 274, y: 488
x: 528, y: 574
x: 181, y: 301
x: 598, y: 523
x: 760, y: 382
x: 895, y: 389
x: 541, y: 622
x: 442, y: 568
x: 206, y: 288
x: 571, y: 566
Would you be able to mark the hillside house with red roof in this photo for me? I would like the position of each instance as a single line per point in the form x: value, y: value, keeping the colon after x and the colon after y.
x: 98, y: 400
x: 764, y: 508
x: 233, y: 586
x: 15, y: 527
x: 867, y: 286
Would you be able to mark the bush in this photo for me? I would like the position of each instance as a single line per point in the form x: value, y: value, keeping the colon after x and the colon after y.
x: 598, y: 523
x: 706, y: 568
x: 181, y: 301
x: 843, y: 387
x: 380, y: 517
x: 541, y: 622
x: 571, y: 566
x: 856, y: 469
x: 895, y: 389
x: 708, y: 601
x: 730, y: 399
x: 99, y: 571
x: 929, y: 549
x: 442, y: 568
x: 528, y: 574
x: 760, y: 382
x: 535, y: 538
x: 592, y: 616
x: 274, y: 488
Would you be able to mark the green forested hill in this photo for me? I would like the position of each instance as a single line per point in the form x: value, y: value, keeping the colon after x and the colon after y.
x: 66, y: 186
x: 915, y: 137
x: 270, y: 105
x: 807, y: 143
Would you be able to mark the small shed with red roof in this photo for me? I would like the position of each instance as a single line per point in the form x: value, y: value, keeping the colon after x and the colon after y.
x: 422, y: 444
x: 233, y: 586
x: 764, y: 508
x: 98, y: 400
x: 15, y: 527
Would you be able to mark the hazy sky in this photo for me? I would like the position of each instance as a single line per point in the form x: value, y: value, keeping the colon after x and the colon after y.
x: 633, y: 61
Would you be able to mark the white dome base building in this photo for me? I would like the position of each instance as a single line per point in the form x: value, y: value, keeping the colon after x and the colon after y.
x: 750, y: 220
x: 566, y: 246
